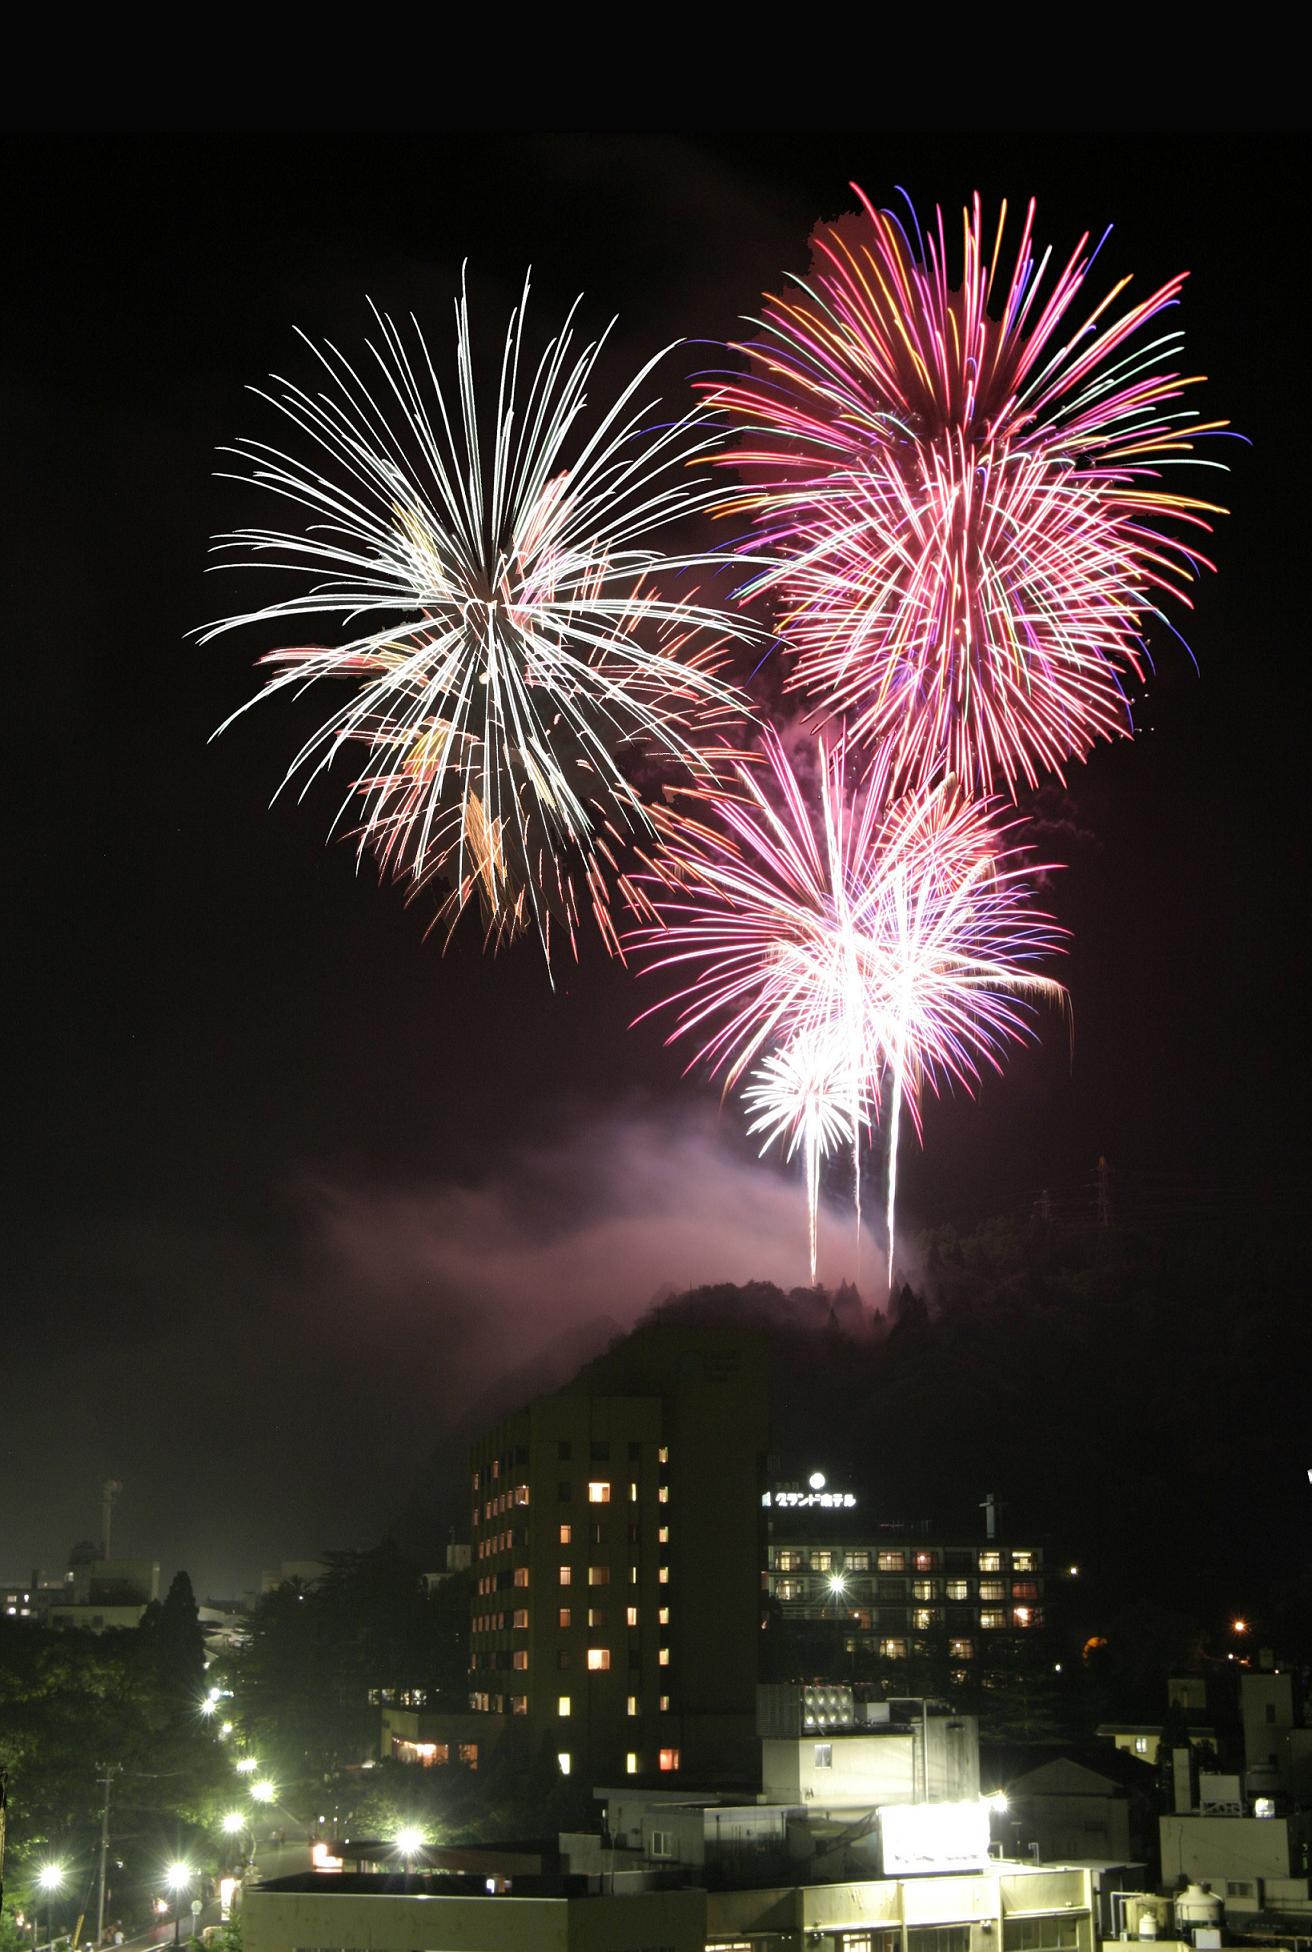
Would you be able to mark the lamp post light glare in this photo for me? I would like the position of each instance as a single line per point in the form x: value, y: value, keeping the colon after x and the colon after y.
x: 264, y: 1791
x: 247, y: 1766
x: 837, y: 1583
x: 50, y: 1878
x: 177, y: 1877
x: 233, y: 1822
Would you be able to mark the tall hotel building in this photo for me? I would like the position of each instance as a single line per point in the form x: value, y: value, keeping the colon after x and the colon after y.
x: 617, y: 1538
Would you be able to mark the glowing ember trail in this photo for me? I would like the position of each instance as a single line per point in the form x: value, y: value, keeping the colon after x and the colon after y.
x: 850, y: 945
x: 513, y: 655
x: 960, y: 494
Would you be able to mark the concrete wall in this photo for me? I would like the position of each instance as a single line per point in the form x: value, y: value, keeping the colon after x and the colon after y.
x: 674, y: 1921
x: 1208, y: 1847
x: 866, y: 1769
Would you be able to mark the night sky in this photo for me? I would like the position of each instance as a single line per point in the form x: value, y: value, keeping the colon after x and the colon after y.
x: 288, y: 1188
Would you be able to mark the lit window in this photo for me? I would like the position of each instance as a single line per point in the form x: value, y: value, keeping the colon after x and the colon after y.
x: 664, y: 1616
x: 631, y: 1616
x: 519, y: 1659
x: 565, y: 1575
x: 563, y: 1761
x: 788, y: 1589
x: 467, y: 1752
x: 992, y: 1616
x: 663, y: 1576
x: 599, y: 1575
x: 521, y: 1575
x: 990, y: 1562
x: 521, y: 1494
x: 1141, y: 1745
x: 598, y: 1494
x: 496, y: 1467
x: 663, y: 1658
x: 1022, y: 1562
x: 824, y: 1755
x: 631, y: 1763
x: 926, y: 1561
x: 663, y: 1454
x: 958, y: 1589
x: 663, y: 1494
x: 563, y: 1703
x: 892, y: 1562
x: 789, y: 1560
x: 566, y: 1534
x: 893, y: 1650
x: 519, y: 1617
x: 924, y: 1589
x: 519, y: 1704
x: 633, y: 1575
x: 961, y: 1650
x: 822, y: 1561
x: 1026, y: 1616
x: 1024, y: 1589
x: 992, y: 1589
x: 858, y: 1562
x: 669, y: 1759
x: 564, y: 1618
x: 663, y: 1704
x: 598, y: 1659
x: 631, y: 1705
x: 633, y: 1492
x: 476, y: 1480
x: 596, y: 1616
x: 663, y: 1535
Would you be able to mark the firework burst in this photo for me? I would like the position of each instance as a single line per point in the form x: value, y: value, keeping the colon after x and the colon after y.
x: 853, y: 945
x: 514, y: 651
x: 963, y: 512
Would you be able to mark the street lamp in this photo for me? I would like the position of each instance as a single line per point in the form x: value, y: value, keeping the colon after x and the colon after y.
x: 409, y: 1842
x: 177, y: 1877
x: 264, y: 1791
x: 50, y: 1879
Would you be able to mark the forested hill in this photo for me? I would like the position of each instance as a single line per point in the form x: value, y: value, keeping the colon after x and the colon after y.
x: 1139, y: 1397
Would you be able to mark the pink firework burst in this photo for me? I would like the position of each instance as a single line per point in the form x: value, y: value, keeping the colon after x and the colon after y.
x: 960, y: 492
x: 853, y: 946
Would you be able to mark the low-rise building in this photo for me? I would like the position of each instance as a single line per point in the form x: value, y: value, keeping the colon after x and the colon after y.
x: 1003, y: 1908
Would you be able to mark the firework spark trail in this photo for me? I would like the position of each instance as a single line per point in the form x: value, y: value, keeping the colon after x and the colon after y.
x: 506, y: 641
x: 963, y: 516
x: 854, y: 951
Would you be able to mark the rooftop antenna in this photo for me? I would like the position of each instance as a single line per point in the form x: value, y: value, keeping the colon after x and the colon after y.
x: 111, y: 1491
x: 989, y: 1507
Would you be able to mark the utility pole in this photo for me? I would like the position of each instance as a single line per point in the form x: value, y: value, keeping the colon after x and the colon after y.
x: 110, y: 1770
x: 111, y: 1491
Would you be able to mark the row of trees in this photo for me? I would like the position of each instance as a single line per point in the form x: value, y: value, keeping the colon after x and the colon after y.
x: 78, y: 1707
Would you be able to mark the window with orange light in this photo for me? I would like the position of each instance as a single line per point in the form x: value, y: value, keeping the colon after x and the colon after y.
x: 669, y: 1759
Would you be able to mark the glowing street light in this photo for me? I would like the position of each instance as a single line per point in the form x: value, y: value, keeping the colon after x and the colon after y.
x: 178, y: 1877
x: 50, y: 1879
x: 208, y: 1706
x: 998, y: 1801
x: 233, y: 1822
x: 264, y: 1791
x: 1239, y: 1626
x: 409, y: 1842
x: 247, y: 1766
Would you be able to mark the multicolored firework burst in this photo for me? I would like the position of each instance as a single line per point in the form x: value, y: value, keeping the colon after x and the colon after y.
x: 515, y: 650
x: 855, y: 946
x: 960, y: 491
